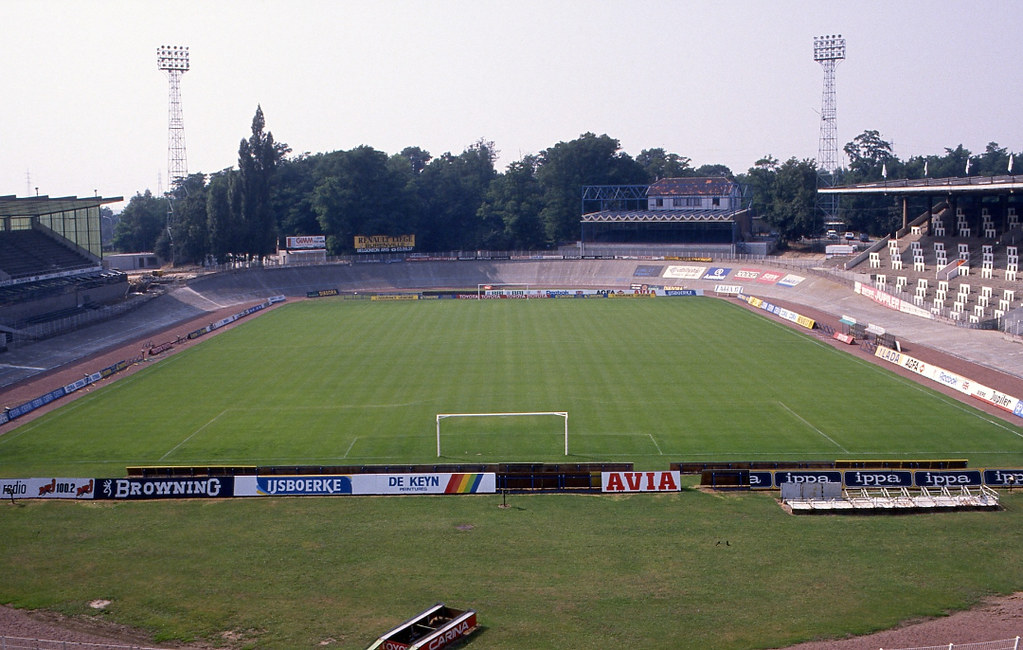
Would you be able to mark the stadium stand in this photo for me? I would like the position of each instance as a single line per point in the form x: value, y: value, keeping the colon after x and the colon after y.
x: 51, y: 264
x: 921, y: 254
x: 29, y: 253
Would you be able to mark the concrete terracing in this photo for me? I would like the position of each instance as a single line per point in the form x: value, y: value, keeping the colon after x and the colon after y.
x: 210, y: 293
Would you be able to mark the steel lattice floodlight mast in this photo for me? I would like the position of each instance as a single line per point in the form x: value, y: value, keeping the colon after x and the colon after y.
x: 828, y: 51
x: 173, y: 59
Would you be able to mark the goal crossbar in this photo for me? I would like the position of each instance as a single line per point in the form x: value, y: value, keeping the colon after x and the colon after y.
x: 442, y: 416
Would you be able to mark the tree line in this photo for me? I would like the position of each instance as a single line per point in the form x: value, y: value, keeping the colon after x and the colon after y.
x: 461, y: 202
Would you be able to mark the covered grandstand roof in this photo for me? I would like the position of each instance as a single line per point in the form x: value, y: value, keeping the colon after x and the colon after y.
x: 694, y: 186
x: 934, y: 186
x: 661, y: 216
x: 33, y: 206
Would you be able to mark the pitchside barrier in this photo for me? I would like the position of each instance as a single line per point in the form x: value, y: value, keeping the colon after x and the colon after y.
x: 700, y: 467
x: 965, y: 385
x: 746, y: 479
x: 596, y: 477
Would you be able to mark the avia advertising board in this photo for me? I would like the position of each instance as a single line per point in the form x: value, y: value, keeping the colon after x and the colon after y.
x: 164, y: 488
x: 790, y: 280
x: 46, y: 488
x: 366, y: 484
x: 640, y: 481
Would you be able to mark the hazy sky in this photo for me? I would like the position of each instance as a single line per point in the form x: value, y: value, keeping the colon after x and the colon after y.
x: 84, y: 106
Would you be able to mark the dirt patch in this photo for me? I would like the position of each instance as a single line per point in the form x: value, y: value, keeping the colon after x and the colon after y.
x: 57, y: 627
x: 994, y: 620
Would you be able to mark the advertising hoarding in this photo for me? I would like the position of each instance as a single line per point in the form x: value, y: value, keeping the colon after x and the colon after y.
x: 384, y: 244
x: 640, y: 481
x: 366, y: 484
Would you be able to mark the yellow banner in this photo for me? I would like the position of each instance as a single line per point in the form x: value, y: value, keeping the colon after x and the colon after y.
x: 385, y: 242
x: 806, y: 322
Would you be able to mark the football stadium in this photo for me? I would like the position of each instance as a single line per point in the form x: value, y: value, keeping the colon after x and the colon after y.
x: 696, y: 450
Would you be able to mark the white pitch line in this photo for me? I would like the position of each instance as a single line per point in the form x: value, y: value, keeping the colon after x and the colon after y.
x: 915, y: 385
x: 655, y: 444
x: 349, y: 450
x: 801, y: 419
x: 193, y: 434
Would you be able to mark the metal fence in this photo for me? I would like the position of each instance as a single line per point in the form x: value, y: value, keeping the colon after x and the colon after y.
x: 79, y: 320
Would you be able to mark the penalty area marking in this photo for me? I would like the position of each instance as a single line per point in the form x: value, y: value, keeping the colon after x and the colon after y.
x: 349, y: 450
x: 193, y: 434
x: 803, y: 420
x: 655, y: 444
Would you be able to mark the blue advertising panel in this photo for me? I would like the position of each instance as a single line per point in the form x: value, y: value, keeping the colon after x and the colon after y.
x: 1003, y: 477
x: 647, y: 271
x: 946, y: 478
x: 878, y: 478
x: 716, y: 273
x: 303, y: 486
x: 164, y: 488
x: 807, y: 476
x: 760, y: 480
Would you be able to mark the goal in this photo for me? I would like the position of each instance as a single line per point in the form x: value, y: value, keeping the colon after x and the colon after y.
x: 444, y: 416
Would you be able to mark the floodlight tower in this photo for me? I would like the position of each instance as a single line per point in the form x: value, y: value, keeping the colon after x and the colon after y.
x: 828, y: 51
x: 173, y: 59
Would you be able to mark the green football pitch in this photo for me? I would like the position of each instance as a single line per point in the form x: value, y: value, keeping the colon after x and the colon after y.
x: 648, y: 381
x: 651, y: 381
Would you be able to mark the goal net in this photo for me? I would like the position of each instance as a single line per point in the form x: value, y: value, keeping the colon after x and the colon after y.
x: 441, y: 417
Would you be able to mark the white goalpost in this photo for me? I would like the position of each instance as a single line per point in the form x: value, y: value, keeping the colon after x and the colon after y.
x: 443, y: 416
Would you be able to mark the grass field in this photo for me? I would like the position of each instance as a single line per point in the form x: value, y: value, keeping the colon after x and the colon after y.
x: 648, y: 381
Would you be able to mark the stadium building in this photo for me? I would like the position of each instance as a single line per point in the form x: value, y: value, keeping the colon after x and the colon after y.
x: 705, y: 214
x: 51, y: 262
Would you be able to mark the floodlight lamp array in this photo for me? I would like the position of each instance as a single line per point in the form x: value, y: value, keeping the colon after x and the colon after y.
x: 828, y: 48
x: 172, y: 57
